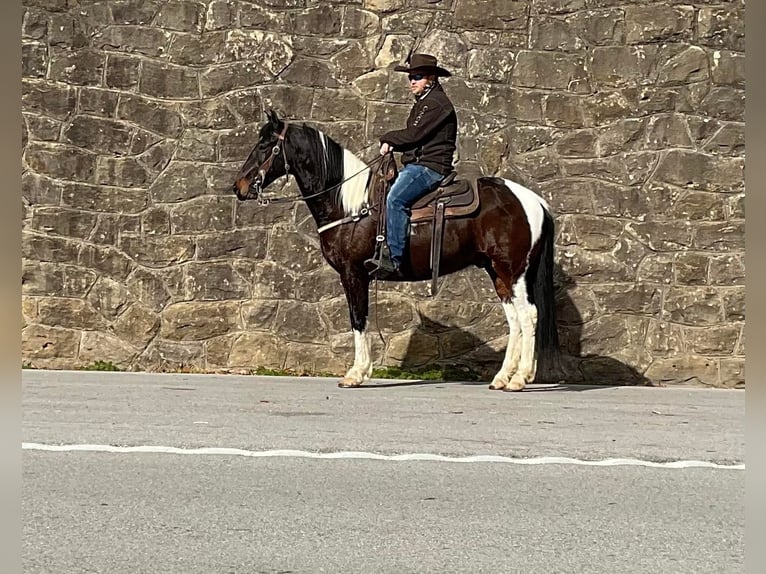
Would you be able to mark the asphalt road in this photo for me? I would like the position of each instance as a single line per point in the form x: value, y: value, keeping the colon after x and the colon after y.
x: 216, y: 512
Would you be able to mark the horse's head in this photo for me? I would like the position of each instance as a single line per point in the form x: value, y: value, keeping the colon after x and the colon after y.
x: 266, y: 161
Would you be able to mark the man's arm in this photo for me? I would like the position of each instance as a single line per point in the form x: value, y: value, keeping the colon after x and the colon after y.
x: 426, y: 121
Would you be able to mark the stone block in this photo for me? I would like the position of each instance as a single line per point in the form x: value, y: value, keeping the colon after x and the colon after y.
x: 492, y: 14
x: 217, y: 281
x: 80, y: 67
x: 358, y: 23
x: 100, y: 346
x: 555, y: 34
x: 116, y: 171
x: 273, y: 281
x: 258, y: 349
x: 728, y: 69
x: 34, y: 24
x: 311, y: 73
x: 109, y: 297
x: 701, y: 171
x: 181, y: 181
x: 198, y: 321
x: 99, y: 102
x: 734, y: 303
x: 658, y: 23
x: 725, y: 103
x: 135, y: 11
x: 162, y: 80
x: 730, y: 140
x: 137, y: 325
x: 599, y: 27
x: 144, y: 40
x: 41, y: 128
x: 99, y: 135
x: 203, y: 214
x: 722, y: 27
x: 706, y: 341
x: 664, y: 339
x: 694, y: 306
x: 691, y: 269
x: 105, y: 260
x: 684, y: 370
x: 338, y: 105
x: 667, y: 131
x: 580, y: 143
x: 490, y: 64
x: 104, y: 199
x: 688, y: 66
x: 247, y: 243
x: 551, y: 70
x: 44, y: 342
x: 122, y: 72
x: 220, y: 15
x: 299, y: 322
x: 180, y: 15
x: 150, y: 288
x: 65, y: 222
x: 733, y: 373
x: 34, y: 60
x: 41, y: 278
x: 69, y: 313
x: 157, y: 251
x: 594, y: 266
x: 663, y: 236
x: 60, y: 161
x: 727, y: 270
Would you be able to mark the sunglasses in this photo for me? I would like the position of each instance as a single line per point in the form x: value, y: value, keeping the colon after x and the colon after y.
x: 416, y: 77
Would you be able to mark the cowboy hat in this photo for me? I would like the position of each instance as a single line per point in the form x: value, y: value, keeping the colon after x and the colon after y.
x: 425, y: 63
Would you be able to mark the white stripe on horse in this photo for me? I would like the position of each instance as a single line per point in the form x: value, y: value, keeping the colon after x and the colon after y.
x: 533, y: 206
x: 354, y: 190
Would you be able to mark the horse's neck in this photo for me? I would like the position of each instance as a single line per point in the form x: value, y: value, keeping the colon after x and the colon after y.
x: 318, y: 199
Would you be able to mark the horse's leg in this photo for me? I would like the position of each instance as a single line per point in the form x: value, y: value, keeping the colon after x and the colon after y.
x: 356, y: 285
x: 527, y: 314
x: 502, y: 279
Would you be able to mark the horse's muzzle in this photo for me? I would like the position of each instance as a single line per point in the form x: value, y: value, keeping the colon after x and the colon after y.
x: 246, y: 188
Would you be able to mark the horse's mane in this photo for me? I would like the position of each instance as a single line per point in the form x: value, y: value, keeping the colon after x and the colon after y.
x: 334, y: 163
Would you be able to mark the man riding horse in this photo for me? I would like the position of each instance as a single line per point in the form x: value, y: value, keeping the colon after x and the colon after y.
x: 428, y: 145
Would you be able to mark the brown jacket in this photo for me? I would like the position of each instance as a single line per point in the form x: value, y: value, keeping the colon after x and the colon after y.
x: 431, y: 132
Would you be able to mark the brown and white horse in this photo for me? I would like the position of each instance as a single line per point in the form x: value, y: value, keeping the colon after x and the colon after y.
x: 511, y: 237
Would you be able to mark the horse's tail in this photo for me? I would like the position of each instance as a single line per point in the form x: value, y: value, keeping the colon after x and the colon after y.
x: 544, y: 295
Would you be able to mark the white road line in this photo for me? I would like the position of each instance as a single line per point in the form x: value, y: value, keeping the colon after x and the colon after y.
x: 373, y: 456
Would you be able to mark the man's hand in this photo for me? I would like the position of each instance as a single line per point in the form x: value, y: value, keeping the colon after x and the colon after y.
x: 385, y: 148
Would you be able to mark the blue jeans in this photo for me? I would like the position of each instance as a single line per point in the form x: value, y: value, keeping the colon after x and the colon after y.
x: 412, y: 183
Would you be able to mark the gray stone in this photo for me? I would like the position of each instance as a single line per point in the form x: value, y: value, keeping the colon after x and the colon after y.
x: 555, y: 34
x: 65, y: 222
x: 299, y: 322
x: 221, y: 14
x: 34, y: 60
x: 353, y: 61
x: 108, y: 297
x: 725, y: 103
x: 96, y: 101
x: 60, y: 161
x: 312, y: 73
x: 158, y: 251
x: 180, y: 15
x: 693, y: 306
x: 727, y: 270
x: 115, y: 171
x: 181, y: 181
x: 106, y: 199
x: 105, y: 260
x: 338, y: 106
x: 724, y: 236
x: 198, y: 50
x: 161, y: 80
x: 728, y: 69
x: 99, y: 135
x: 80, y: 67
x: 730, y: 140
x: 40, y: 128
x: 722, y: 27
x: 706, y: 341
x: 490, y: 64
x: 492, y: 14
x: 258, y: 349
x: 701, y: 171
x: 199, y: 321
x: 690, y: 65
x: 135, y: 11
x: 216, y: 281
x: 137, y: 325
x: 663, y: 236
x: 550, y: 70
x: 657, y: 23
x: 250, y: 244
x: 41, y: 278
x: 691, y: 269
x: 599, y: 27
x: 44, y: 342
x: 684, y: 369
x: 203, y: 214
x: 732, y: 373
x: 122, y: 71
x: 99, y: 346
x: 69, y: 313
x: 133, y: 39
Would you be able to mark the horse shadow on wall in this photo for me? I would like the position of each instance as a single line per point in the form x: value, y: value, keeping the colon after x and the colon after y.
x: 480, y: 360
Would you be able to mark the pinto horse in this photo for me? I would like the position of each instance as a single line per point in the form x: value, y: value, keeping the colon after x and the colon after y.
x: 511, y: 237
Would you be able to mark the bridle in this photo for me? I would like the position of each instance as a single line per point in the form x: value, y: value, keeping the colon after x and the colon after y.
x: 264, y: 168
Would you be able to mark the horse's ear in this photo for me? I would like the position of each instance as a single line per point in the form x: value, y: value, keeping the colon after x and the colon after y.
x: 271, y: 115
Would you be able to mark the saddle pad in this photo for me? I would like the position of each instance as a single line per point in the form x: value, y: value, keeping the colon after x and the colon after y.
x: 461, y: 198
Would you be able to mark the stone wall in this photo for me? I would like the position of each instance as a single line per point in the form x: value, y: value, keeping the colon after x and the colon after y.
x: 628, y: 117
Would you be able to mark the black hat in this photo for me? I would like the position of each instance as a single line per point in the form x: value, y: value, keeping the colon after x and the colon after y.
x: 424, y: 63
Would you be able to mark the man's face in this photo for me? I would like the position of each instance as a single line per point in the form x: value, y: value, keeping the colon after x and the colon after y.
x: 418, y: 82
